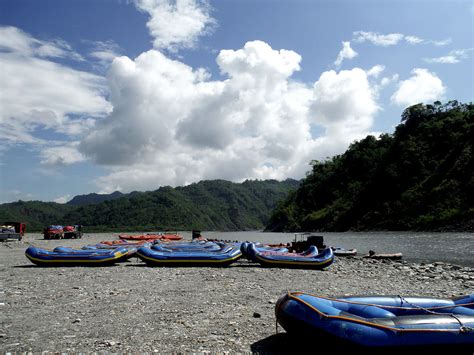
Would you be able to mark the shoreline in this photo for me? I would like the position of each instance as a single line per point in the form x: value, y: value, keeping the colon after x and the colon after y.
x: 132, y: 307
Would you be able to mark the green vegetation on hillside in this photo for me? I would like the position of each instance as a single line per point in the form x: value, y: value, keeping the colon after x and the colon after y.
x: 36, y: 214
x: 419, y: 178
x: 207, y: 205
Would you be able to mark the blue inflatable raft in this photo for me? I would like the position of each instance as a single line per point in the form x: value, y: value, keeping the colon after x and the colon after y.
x: 64, y: 257
x: 260, y: 247
x: 188, y: 246
x: 161, y: 256
x: 309, y: 259
x: 131, y: 251
x: 379, y: 321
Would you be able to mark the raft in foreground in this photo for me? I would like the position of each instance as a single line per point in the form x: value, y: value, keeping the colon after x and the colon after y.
x: 45, y: 257
x: 379, y: 321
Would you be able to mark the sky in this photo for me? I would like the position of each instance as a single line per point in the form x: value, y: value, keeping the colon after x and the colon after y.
x: 106, y: 95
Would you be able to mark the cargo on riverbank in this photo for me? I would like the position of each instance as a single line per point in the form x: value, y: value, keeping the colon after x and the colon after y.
x: 131, y: 307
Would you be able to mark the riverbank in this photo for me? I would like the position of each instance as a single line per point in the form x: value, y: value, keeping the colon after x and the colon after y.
x: 131, y: 307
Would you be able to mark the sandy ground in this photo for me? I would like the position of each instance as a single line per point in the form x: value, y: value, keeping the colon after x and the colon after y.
x: 131, y: 307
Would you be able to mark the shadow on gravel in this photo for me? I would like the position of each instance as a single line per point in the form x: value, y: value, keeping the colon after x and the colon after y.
x: 283, y: 343
x: 245, y: 265
x: 278, y: 344
x: 59, y: 266
x: 137, y: 265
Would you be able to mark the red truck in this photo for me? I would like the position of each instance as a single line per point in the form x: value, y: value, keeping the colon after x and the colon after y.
x: 12, y: 230
x: 60, y: 232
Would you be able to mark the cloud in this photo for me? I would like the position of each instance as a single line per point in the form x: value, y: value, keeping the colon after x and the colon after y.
x: 14, y: 195
x: 392, y: 39
x: 104, y: 51
x: 62, y: 199
x: 346, y: 53
x: 344, y: 102
x: 14, y: 40
x: 376, y: 70
x: 377, y: 38
x: 423, y: 86
x: 61, y: 155
x: 38, y: 93
x: 177, y: 24
x: 440, y: 43
x: 413, y: 39
x: 172, y: 125
x: 453, y: 57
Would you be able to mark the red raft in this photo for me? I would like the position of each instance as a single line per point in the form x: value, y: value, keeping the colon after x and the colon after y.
x: 150, y: 237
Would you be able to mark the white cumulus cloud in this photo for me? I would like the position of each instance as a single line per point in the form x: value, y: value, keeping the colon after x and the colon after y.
x: 177, y: 24
x: 423, y: 86
x: 172, y: 125
x: 346, y: 53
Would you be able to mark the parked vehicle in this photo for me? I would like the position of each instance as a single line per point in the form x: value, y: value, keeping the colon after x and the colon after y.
x: 53, y: 232
x: 72, y: 232
x: 12, y: 230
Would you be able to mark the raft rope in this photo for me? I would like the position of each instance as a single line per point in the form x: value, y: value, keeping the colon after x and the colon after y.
x: 462, y: 328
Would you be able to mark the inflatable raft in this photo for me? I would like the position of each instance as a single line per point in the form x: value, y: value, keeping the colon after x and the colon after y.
x: 310, y: 259
x: 171, y: 237
x: 339, y: 251
x: 161, y: 256
x: 379, y: 321
x: 188, y: 246
x: 73, y: 257
x: 131, y: 251
x: 261, y: 248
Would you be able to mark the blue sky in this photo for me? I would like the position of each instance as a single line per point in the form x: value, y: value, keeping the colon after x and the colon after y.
x: 132, y: 95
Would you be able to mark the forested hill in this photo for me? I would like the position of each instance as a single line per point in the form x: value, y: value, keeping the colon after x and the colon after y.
x: 419, y: 178
x: 207, y: 205
x: 81, y: 200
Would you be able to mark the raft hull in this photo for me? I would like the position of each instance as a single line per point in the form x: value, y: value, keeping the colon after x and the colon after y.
x: 388, y: 321
x: 307, y: 260
x: 154, y: 257
x: 43, y: 257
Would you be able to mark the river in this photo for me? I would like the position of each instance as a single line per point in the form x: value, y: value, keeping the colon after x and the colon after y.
x: 455, y: 248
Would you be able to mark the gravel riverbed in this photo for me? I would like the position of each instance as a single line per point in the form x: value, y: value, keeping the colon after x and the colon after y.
x: 131, y: 307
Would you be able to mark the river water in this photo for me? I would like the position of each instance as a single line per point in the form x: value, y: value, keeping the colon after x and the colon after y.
x: 455, y: 248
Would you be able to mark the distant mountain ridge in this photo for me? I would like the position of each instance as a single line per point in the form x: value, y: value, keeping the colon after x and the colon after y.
x: 93, y: 198
x: 206, y: 205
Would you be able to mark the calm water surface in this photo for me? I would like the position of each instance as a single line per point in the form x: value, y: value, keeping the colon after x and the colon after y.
x: 456, y: 248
